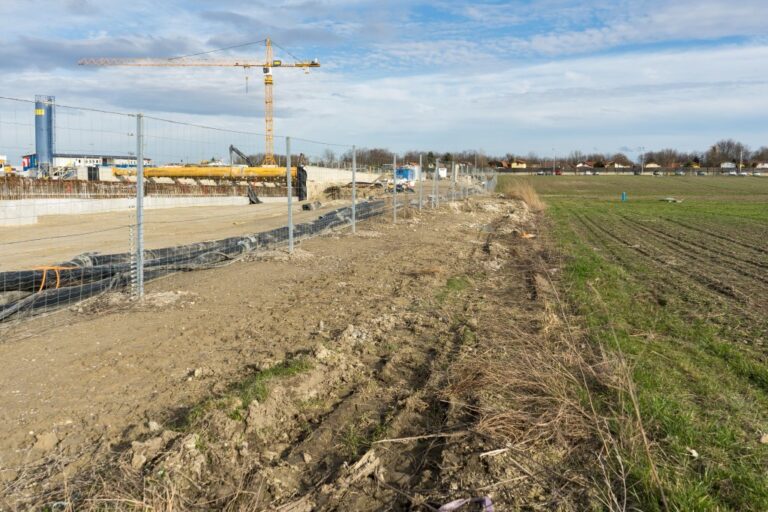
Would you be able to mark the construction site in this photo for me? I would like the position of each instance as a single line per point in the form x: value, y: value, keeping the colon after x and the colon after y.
x: 197, y: 314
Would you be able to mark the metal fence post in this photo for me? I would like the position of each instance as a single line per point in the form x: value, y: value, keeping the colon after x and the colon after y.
x: 421, y: 180
x: 453, y: 181
x: 140, y: 205
x: 354, y: 188
x: 435, y: 184
x: 290, y: 192
x: 394, y: 189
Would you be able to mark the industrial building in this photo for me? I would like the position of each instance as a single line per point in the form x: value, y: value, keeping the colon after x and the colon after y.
x: 79, y: 166
x: 45, y: 162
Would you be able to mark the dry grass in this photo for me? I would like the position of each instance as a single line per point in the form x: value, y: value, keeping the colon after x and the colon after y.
x: 523, y: 191
x: 533, y: 392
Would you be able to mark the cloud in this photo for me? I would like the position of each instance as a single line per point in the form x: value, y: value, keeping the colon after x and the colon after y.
x: 502, y: 76
x: 683, y: 20
x: 49, y: 54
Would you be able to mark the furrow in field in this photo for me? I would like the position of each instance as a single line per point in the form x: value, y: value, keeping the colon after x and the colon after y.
x: 737, y: 268
x: 654, y: 254
x: 739, y: 252
x: 625, y: 254
x: 713, y: 233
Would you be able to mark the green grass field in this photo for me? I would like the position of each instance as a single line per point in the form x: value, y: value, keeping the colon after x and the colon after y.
x: 680, y: 291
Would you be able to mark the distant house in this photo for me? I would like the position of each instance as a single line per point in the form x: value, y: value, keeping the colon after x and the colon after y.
x: 585, y: 165
x: 728, y: 165
x: 761, y: 165
x: 652, y: 165
x: 518, y: 164
x: 616, y: 165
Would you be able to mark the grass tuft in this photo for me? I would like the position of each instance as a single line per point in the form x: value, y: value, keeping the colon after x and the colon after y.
x: 522, y: 191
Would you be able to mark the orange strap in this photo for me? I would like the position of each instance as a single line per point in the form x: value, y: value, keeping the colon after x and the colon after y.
x: 58, y: 275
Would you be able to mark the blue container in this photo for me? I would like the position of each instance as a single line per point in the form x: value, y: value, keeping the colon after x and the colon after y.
x: 405, y: 173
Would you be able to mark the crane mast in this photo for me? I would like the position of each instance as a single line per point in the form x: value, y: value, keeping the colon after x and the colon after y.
x: 267, y: 65
x: 269, y: 105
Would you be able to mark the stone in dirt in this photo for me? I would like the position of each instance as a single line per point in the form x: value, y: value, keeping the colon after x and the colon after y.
x: 45, y: 442
x: 321, y: 353
x: 145, y: 450
x: 353, y: 335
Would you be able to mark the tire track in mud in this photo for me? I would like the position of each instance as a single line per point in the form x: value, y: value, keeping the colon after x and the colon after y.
x: 404, y: 396
x: 676, y: 245
x: 392, y: 396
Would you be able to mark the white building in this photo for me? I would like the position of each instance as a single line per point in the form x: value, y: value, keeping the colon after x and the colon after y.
x: 727, y: 165
x: 77, y: 160
x: 82, y: 166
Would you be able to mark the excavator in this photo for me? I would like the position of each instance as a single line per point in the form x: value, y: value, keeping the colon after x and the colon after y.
x: 245, y: 158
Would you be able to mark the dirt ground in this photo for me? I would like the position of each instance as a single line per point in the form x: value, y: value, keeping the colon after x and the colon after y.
x: 352, y: 375
x: 57, y: 238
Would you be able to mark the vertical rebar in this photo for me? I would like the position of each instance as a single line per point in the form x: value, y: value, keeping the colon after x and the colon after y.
x: 354, y: 187
x: 140, y: 205
x: 290, y: 192
x: 421, y: 180
x: 394, y: 189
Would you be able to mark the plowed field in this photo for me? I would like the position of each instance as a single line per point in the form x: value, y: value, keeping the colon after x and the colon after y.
x: 674, y: 282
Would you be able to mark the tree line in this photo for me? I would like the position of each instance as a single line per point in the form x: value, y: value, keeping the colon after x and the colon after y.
x: 726, y: 150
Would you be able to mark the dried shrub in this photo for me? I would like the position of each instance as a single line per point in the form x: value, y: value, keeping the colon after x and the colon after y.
x: 523, y: 191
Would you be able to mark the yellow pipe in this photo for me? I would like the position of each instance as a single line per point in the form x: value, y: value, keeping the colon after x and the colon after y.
x: 208, y: 172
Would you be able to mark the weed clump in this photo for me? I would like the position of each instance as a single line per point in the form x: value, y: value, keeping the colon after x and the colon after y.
x: 524, y: 192
x: 254, y: 387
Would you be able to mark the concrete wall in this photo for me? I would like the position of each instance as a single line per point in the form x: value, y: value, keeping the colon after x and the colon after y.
x: 26, y: 211
x: 336, y: 176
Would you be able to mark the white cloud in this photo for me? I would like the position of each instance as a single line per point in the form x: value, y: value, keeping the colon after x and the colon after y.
x: 437, y: 87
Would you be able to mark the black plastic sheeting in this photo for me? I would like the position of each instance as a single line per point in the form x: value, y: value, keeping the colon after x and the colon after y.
x: 90, y: 274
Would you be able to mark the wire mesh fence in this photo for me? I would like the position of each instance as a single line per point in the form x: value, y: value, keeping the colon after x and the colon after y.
x: 55, y: 211
x: 107, y: 201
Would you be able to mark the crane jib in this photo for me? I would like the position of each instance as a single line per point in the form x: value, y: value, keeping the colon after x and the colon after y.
x: 267, y: 65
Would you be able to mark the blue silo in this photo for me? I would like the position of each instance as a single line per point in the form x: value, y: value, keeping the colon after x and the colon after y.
x: 44, y: 123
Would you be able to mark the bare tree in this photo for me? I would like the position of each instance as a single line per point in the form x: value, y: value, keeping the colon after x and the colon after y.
x: 329, y: 156
x: 727, y: 150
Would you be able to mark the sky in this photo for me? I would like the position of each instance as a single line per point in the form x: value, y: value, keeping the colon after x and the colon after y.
x: 546, y: 76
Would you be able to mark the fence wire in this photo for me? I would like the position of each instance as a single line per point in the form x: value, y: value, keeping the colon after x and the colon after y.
x: 77, y: 226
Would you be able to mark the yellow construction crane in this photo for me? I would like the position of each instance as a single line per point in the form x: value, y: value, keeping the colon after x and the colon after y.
x: 267, y: 65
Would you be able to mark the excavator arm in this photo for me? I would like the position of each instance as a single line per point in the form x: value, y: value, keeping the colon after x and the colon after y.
x: 249, y: 161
